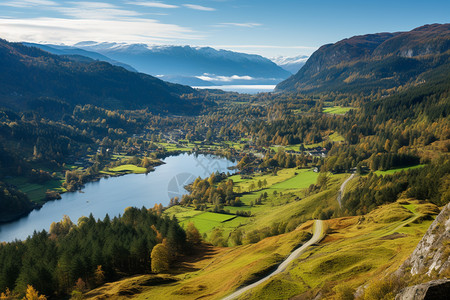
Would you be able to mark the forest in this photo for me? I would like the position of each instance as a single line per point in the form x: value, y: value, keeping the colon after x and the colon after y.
x: 90, y: 251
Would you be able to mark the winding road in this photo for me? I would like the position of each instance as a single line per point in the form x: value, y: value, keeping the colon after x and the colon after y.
x: 317, y: 236
x: 341, y: 190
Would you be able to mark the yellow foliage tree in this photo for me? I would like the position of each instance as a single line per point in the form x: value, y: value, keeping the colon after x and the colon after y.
x: 145, y: 163
x: 6, y: 295
x: 99, y: 275
x: 192, y: 234
x: 160, y: 258
x: 32, y: 294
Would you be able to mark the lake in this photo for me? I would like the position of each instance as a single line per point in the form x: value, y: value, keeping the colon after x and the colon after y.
x: 112, y: 195
x: 243, y: 89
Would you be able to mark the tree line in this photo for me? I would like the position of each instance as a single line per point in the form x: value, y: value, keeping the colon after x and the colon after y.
x: 93, y: 251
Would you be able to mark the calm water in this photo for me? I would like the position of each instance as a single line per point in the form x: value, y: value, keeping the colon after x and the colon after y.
x: 112, y: 195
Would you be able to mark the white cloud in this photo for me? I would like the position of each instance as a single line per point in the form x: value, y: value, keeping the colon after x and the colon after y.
x: 152, y: 4
x: 213, y: 77
x: 248, y: 25
x: 71, y: 31
x: 95, y: 10
x: 28, y: 3
x: 267, y: 47
x: 199, y: 7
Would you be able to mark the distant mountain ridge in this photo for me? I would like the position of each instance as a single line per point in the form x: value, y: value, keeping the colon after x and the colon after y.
x: 375, y: 60
x: 186, y: 62
x: 33, y: 79
x: 291, y: 64
x: 74, y: 52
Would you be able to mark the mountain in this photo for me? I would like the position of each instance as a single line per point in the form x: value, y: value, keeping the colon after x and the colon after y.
x: 33, y: 79
x: 374, y: 61
x: 291, y: 64
x: 219, y: 66
x: 75, y: 53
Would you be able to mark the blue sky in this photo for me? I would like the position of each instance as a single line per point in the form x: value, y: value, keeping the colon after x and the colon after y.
x: 269, y: 28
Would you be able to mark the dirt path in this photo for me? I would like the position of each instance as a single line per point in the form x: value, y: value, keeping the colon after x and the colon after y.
x: 317, y: 236
x: 341, y: 190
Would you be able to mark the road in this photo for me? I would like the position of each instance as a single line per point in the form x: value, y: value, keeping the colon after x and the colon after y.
x: 317, y: 236
x: 341, y: 191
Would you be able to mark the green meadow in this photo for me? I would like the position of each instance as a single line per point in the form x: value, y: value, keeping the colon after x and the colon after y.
x: 36, y: 192
x: 337, y: 110
x: 286, y: 196
x: 128, y: 169
x: 392, y: 171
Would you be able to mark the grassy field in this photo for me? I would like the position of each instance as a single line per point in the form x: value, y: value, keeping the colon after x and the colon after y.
x: 336, y: 137
x: 173, y: 147
x: 206, y: 221
x: 356, y: 251
x: 337, y: 110
x: 216, y: 273
x: 286, y: 197
x: 128, y: 169
x: 302, y: 179
x: 392, y: 171
x: 36, y: 192
x: 295, y: 147
x: 244, y: 184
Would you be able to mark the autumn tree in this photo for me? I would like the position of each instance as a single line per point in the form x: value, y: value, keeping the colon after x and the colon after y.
x: 192, y: 234
x: 80, y: 288
x: 61, y: 228
x: 145, y: 163
x: 160, y: 258
x: 32, y: 294
x: 6, y: 295
x: 99, y: 275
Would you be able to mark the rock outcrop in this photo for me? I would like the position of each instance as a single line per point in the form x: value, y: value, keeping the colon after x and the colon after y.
x: 433, y: 290
x: 431, y: 256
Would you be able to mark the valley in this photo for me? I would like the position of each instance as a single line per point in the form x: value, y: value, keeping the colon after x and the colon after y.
x: 147, y: 189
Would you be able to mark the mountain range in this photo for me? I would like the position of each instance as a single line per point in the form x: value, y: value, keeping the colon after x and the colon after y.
x: 36, y: 80
x: 194, y: 66
x: 77, y: 54
x: 374, y: 61
x: 291, y: 64
x: 188, y: 65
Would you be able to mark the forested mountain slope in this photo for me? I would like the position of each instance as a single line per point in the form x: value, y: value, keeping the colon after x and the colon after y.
x: 374, y: 61
x: 74, y: 52
x: 33, y: 79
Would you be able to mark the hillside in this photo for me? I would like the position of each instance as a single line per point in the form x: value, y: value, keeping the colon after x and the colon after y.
x: 374, y: 61
x: 35, y: 79
x: 75, y: 52
x: 211, y: 65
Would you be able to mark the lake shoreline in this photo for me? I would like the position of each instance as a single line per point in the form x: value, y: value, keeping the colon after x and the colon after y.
x: 91, y: 178
x: 113, y: 196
